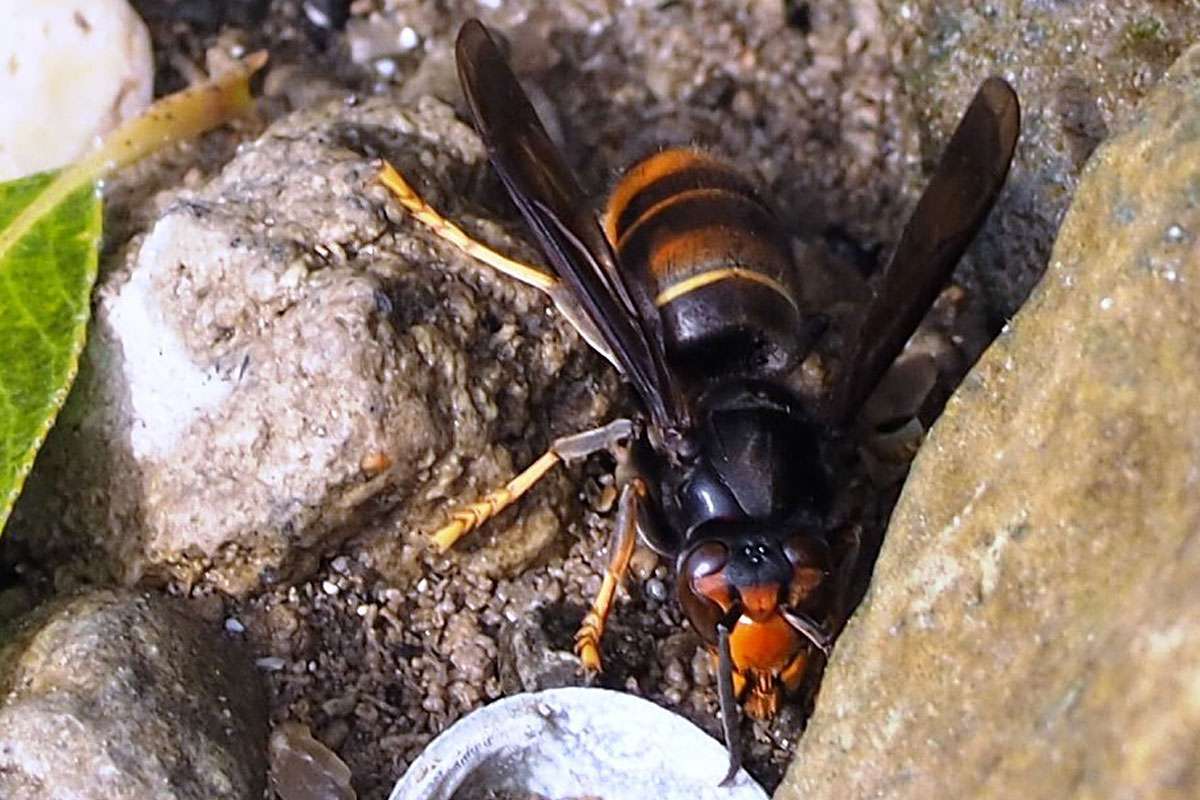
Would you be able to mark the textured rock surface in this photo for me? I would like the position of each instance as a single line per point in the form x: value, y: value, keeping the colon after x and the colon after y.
x: 281, y: 362
x: 123, y: 696
x: 1080, y: 68
x: 303, y: 768
x: 1033, y: 628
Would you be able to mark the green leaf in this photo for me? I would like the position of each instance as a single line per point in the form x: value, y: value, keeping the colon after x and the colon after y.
x: 49, y: 246
x: 46, y: 277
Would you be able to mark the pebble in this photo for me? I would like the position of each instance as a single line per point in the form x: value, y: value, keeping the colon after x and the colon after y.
x: 303, y: 768
x: 643, y: 563
x: 73, y: 71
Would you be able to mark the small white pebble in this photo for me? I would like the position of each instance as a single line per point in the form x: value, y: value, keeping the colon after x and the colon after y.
x: 317, y: 16
x: 408, y: 39
x: 341, y: 564
x: 1106, y: 304
x: 1175, y: 233
x: 362, y: 610
x: 386, y: 67
x: 1170, y: 274
x: 233, y: 625
x: 330, y: 588
x: 270, y: 663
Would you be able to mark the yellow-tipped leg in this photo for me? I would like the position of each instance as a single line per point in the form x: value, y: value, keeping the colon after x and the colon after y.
x: 444, y: 228
x: 559, y: 294
x: 470, y: 517
x: 568, y: 448
x: 620, y: 549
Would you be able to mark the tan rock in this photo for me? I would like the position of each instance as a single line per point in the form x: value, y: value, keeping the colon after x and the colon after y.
x: 1033, y: 626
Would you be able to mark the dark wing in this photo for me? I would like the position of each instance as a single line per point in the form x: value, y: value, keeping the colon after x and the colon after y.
x: 947, y: 217
x: 563, y: 222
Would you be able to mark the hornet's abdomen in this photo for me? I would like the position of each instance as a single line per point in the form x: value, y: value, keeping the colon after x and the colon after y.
x: 716, y: 261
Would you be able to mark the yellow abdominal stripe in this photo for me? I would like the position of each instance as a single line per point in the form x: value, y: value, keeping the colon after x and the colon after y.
x: 686, y: 285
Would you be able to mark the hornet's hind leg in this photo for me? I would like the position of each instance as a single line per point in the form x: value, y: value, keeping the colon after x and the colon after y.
x: 539, y: 279
x: 445, y: 229
x: 610, y: 437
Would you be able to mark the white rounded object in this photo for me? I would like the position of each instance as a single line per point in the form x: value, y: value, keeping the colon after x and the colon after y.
x: 70, y: 71
x: 572, y: 743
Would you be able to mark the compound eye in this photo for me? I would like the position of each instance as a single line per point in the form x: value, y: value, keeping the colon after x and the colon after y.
x: 703, y: 591
x: 707, y: 558
x: 809, y: 557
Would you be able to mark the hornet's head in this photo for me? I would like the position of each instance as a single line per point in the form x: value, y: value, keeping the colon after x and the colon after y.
x: 769, y: 592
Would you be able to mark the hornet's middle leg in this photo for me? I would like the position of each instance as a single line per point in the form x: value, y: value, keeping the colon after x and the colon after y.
x: 568, y: 448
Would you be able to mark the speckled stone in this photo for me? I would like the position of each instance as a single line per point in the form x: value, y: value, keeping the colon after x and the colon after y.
x: 1080, y: 68
x: 123, y: 695
x: 1033, y: 627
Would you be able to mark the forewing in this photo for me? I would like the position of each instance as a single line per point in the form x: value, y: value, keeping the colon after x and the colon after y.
x: 560, y: 216
x: 947, y: 217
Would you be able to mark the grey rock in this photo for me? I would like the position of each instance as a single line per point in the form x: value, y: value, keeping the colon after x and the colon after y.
x: 286, y: 357
x: 119, y: 695
x: 529, y: 662
x: 1080, y: 69
x: 303, y: 768
x: 1033, y: 626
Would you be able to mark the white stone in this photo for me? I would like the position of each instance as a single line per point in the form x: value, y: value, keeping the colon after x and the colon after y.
x: 70, y: 71
x: 575, y: 743
x: 167, y: 389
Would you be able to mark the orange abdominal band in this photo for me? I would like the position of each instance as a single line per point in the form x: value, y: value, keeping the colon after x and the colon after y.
x: 644, y: 174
